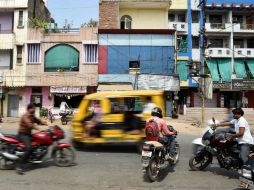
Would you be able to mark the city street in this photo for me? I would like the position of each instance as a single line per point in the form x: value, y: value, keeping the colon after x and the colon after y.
x: 118, y: 167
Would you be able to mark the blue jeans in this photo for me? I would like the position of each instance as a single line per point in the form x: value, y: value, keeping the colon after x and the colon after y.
x: 169, y: 142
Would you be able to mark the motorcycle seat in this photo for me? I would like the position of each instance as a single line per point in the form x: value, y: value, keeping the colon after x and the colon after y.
x: 155, y: 144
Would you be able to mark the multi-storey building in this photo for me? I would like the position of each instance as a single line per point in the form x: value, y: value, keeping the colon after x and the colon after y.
x: 14, y: 23
x: 184, y: 17
x: 229, y: 55
x: 136, y: 48
x: 43, y: 66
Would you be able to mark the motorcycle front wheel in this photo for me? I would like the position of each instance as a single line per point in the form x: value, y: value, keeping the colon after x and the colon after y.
x: 152, y: 170
x: 199, y: 163
x: 64, y: 157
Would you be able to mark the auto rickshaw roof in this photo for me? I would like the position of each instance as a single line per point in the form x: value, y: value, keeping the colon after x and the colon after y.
x: 117, y: 94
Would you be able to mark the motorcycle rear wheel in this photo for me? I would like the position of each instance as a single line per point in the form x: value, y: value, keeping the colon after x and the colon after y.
x: 6, y: 164
x: 200, y: 163
x: 64, y: 157
x: 152, y: 171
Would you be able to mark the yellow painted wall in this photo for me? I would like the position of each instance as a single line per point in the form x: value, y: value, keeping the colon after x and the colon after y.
x: 179, y: 4
x: 147, y: 18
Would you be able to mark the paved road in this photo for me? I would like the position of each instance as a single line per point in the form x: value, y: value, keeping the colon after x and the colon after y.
x: 117, y: 168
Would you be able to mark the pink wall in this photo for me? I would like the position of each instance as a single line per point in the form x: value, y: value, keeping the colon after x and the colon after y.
x: 46, y: 102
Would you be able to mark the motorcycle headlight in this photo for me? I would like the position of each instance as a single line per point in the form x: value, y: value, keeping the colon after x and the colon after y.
x: 206, y: 142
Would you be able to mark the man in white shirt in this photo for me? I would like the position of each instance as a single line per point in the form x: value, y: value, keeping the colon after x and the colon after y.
x: 63, y: 107
x: 243, y: 134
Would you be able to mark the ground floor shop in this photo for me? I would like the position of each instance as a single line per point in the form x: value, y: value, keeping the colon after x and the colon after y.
x: 15, y: 100
x: 222, y: 98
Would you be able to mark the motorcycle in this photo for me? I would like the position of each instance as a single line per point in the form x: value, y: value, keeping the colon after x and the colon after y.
x: 66, y: 116
x: 11, y: 149
x: 215, y: 144
x: 153, y: 158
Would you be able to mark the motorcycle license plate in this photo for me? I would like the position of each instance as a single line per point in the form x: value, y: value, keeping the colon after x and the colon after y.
x: 147, y: 153
x: 247, y: 181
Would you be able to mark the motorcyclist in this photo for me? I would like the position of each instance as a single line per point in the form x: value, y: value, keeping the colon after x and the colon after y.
x: 26, y: 126
x: 165, y: 136
x: 243, y: 134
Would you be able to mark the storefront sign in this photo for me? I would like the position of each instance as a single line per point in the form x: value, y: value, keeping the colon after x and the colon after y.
x: 68, y: 89
x: 243, y: 84
x: 221, y: 85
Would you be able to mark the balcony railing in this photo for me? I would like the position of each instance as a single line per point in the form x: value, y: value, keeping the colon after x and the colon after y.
x: 218, y: 52
x: 247, y: 26
x: 178, y: 26
x: 218, y: 26
x: 244, y: 52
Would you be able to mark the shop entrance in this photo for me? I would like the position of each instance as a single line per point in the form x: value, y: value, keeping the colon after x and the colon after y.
x: 72, y: 101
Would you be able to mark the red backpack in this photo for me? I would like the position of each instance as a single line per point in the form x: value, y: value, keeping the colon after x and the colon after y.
x: 152, y: 130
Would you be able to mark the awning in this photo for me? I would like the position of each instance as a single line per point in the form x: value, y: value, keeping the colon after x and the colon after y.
x: 114, y: 87
x: 182, y: 69
x: 239, y: 67
x: 225, y: 69
x: 212, y: 65
x: 250, y: 63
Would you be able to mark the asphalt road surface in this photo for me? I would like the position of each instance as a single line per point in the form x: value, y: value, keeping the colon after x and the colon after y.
x: 115, y: 168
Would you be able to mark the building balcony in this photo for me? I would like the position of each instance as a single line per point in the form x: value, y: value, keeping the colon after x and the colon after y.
x: 13, y: 4
x: 218, y: 27
x: 218, y: 52
x: 244, y: 52
x: 7, y: 40
x: 243, y: 27
x: 179, y: 26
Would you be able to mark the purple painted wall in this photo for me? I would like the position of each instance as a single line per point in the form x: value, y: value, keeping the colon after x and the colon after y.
x: 6, y: 22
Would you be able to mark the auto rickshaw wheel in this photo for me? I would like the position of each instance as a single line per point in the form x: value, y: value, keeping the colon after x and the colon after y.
x: 77, y: 145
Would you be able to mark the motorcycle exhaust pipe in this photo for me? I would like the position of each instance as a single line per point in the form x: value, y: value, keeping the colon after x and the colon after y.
x: 10, y: 156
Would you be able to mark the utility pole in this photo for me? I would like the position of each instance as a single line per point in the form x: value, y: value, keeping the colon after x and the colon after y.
x: 202, y: 40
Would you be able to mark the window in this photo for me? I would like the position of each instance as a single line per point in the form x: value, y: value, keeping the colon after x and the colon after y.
x: 134, y: 64
x: 19, y: 54
x: 195, y: 42
x: 171, y: 17
x: 34, y: 52
x: 216, y: 19
x: 237, y: 19
x: 216, y: 43
x: 126, y: 22
x: 181, y: 18
x: 195, y: 17
x: 238, y: 43
x: 91, y: 53
x: 250, y: 43
x: 57, y: 61
x: 20, y: 24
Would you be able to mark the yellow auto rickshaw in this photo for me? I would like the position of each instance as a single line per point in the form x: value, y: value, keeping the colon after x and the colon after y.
x: 121, y: 117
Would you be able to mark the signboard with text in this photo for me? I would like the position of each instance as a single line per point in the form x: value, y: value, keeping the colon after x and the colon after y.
x: 243, y: 84
x: 68, y: 89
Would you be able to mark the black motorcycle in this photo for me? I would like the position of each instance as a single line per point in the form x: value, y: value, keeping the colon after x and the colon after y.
x: 66, y: 116
x: 215, y: 144
x: 154, y: 158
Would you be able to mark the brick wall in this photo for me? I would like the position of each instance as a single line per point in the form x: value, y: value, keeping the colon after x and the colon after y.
x: 109, y: 15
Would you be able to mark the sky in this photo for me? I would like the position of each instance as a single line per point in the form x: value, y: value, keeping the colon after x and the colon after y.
x: 75, y: 11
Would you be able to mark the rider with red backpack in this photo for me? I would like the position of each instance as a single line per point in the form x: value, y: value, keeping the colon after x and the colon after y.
x: 157, y: 130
